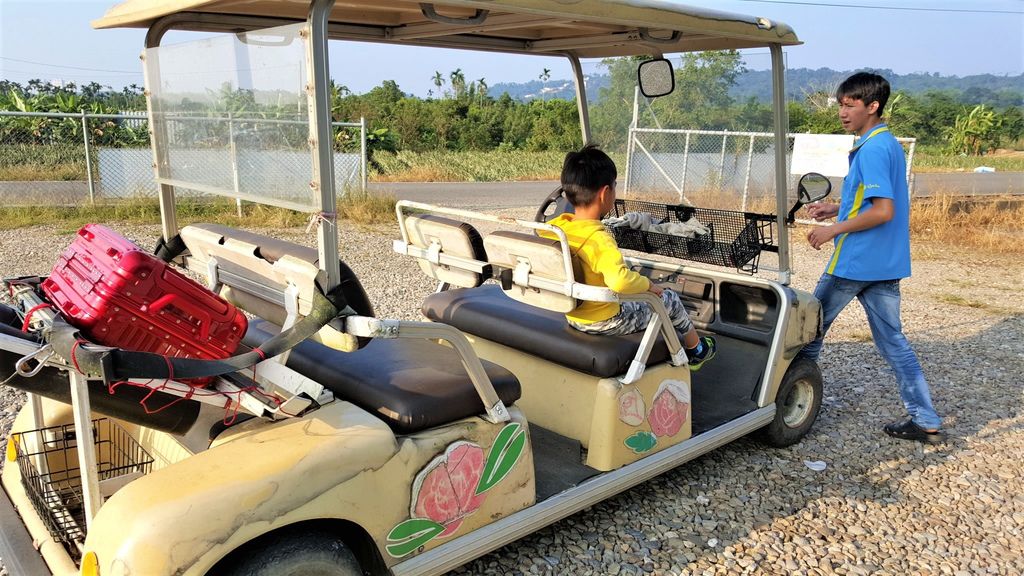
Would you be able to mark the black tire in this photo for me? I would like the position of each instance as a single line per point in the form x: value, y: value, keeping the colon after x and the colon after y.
x: 306, y: 553
x: 796, y: 405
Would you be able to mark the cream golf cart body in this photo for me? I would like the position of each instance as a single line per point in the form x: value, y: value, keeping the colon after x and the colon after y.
x: 386, y: 446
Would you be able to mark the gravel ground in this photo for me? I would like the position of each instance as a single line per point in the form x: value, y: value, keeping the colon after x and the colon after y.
x: 880, y: 506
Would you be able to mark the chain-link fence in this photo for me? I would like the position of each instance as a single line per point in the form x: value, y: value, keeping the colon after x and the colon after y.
x: 684, y: 165
x: 71, y: 159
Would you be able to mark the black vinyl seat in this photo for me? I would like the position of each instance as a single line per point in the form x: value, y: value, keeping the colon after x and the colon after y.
x: 488, y: 313
x: 411, y: 384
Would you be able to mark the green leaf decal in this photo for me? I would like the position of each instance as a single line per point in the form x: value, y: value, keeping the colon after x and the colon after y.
x: 411, y: 534
x: 505, y: 452
x: 641, y: 442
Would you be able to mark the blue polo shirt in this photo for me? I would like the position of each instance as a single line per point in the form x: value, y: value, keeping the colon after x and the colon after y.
x: 878, y: 169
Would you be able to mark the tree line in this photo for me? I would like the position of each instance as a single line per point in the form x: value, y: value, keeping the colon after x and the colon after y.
x: 461, y: 114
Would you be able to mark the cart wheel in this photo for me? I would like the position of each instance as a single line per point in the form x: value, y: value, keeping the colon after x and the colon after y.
x: 796, y: 404
x: 307, y: 553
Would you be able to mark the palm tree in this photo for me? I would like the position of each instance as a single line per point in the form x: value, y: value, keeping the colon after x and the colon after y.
x: 544, y: 76
x: 438, y: 81
x: 482, y: 89
x: 458, y: 80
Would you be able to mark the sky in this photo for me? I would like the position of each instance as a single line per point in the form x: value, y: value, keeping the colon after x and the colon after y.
x: 53, y: 41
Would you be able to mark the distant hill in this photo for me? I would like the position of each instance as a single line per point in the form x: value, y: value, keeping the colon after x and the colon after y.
x: 977, y: 89
x: 1000, y: 91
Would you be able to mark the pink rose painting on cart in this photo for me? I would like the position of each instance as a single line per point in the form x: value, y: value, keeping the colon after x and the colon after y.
x: 446, y: 489
x: 669, y: 411
x: 453, y: 486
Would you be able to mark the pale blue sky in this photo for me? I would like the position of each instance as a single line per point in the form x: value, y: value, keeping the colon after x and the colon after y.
x: 52, y: 40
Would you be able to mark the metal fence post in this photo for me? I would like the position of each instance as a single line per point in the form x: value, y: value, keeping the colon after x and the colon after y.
x: 746, y: 179
x: 686, y: 159
x: 721, y: 162
x: 631, y: 135
x: 362, y: 152
x: 233, y: 150
x: 88, y: 160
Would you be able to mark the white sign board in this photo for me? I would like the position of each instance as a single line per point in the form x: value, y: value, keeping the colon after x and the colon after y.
x: 826, y: 154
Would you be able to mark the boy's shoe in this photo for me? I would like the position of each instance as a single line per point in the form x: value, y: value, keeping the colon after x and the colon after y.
x: 908, y: 430
x: 698, y: 360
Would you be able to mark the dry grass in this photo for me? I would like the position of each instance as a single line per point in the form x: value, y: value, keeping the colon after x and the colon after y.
x: 33, y: 173
x: 961, y: 301
x: 359, y: 208
x: 990, y: 224
x: 366, y: 208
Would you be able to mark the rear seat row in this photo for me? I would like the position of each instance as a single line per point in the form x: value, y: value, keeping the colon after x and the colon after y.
x: 531, y: 320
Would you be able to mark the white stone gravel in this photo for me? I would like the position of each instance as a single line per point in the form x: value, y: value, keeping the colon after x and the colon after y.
x: 880, y: 506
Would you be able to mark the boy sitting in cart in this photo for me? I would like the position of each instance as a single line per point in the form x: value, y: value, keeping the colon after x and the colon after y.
x: 588, y: 180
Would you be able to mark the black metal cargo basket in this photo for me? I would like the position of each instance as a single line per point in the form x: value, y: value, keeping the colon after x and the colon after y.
x: 734, y: 239
x: 48, y: 460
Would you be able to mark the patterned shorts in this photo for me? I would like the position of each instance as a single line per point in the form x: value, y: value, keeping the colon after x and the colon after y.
x: 634, y: 317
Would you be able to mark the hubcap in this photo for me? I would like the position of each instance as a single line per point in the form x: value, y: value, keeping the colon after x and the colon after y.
x: 797, y: 406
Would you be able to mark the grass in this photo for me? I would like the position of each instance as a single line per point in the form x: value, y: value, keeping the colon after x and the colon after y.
x: 961, y: 301
x: 359, y: 208
x: 490, y: 166
x: 993, y: 225
x: 34, y: 162
x: 930, y: 159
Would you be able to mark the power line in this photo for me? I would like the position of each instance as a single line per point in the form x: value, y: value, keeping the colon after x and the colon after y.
x: 69, y: 67
x: 904, y: 8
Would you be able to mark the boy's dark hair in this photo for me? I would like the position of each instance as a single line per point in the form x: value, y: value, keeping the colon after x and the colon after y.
x: 867, y: 88
x: 585, y: 172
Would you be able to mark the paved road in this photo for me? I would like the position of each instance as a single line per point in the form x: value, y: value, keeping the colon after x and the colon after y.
x: 508, y: 195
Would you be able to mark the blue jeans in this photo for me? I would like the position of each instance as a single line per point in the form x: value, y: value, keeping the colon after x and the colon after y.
x: 881, y: 302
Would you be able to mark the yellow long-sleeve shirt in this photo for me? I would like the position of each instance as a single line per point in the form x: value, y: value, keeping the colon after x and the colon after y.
x: 602, y: 265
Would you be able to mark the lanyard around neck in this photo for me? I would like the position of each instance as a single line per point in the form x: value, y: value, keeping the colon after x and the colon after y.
x: 872, y: 134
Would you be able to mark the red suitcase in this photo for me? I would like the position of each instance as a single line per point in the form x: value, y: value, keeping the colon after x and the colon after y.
x: 121, y: 296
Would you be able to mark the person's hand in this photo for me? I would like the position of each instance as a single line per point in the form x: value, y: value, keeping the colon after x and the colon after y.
x: 656, y: 290
x: 820, y: 235
x: 822, y: 211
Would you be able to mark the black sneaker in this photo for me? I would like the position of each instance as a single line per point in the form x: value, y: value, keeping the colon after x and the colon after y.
x: 710, y: 347
x: 909, y: 431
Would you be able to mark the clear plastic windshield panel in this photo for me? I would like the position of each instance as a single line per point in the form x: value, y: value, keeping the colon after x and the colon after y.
x: 231, y: 116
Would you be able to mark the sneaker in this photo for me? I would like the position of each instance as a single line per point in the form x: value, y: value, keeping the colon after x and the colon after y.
x: 710, y: 347
x: 908, y: 430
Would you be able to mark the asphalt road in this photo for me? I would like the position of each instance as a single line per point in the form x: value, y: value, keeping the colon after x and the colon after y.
x: 509, y: 195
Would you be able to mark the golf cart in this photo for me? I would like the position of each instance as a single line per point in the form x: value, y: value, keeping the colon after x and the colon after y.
x: 333, y: 438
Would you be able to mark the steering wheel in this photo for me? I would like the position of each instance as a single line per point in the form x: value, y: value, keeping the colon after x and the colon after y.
x: 561, y: 203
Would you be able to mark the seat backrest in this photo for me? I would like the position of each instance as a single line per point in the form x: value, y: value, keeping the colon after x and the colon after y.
x: 253, y: 270
x: 439, y: 235
x: 533, y: 269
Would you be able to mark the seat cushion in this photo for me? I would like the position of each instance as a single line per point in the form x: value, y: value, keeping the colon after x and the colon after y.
x: 488, y: 313
x: 411, y: 384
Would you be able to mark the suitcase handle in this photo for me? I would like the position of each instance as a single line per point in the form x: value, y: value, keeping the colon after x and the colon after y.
x: 205, y: 320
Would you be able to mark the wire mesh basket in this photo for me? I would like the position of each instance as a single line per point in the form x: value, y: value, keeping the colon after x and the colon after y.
x: 734, y: 239
x: 48, y: 460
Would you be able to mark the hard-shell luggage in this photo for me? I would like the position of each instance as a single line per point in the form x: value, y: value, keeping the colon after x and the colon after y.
x: 119, y: 295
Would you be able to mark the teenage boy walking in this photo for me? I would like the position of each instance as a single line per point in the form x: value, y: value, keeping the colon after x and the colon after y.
x: 872, y: 248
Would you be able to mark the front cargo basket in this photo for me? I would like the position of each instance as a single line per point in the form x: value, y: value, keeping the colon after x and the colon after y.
x: 48, y: 460
x: 734, y: 239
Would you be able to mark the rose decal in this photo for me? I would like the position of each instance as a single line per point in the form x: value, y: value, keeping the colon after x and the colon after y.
x: 670, y: 408
x: 631, y: 407
x: 446, y: 489
x: 453, y: 486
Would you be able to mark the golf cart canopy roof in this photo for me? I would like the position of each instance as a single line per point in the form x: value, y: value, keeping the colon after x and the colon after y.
x: 584, y: 28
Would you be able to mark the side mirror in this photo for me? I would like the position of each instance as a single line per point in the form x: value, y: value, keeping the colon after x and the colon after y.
x: 811, y: 188
x: 656, y: 78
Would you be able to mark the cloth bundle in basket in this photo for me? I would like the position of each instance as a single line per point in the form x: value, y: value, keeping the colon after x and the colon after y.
x: 646, y: 223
